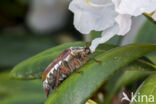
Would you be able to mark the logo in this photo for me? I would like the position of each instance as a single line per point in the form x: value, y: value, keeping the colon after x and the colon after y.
x: 137, y: 97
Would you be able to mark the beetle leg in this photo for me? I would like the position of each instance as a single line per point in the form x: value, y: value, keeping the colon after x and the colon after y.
x: 65, y: 70
x: 78, y: 71
x: 57, y: 78
x: 76, y: 63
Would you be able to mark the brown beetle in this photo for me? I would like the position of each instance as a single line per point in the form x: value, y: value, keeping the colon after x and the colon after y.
x: 67, y: 62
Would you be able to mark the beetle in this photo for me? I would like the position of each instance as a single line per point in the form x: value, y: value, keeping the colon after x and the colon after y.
x: 66, y: 63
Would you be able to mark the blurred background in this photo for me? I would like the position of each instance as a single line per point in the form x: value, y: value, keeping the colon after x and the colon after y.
x: 28, y: 27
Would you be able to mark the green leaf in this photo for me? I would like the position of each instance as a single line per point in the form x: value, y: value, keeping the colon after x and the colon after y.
x: 29, y: 98
x: 147, y: 88
x: 77, y: 88
x: 10, y: 88
x: 128, y: 77
x: 33, y: 67
x: 152, y: 58
x: 139, y: 67
x: 146, y: 33
x: 135, y: 71
x: 20, y: 92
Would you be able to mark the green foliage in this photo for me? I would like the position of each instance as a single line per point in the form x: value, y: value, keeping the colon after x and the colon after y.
x: 20, y: 92
x: 33, y: 67
x: 120, y: 67
x: 29, y: 98
x: 147, y: 88
x: 129, y: 76
x: 84, y: 85
x: 147, y: 34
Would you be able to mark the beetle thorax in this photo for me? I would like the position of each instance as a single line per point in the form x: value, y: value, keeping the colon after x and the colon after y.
x: 77, y: 50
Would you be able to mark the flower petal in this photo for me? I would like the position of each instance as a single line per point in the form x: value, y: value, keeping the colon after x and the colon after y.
x: 116, y: 3
x: 124, y: 21
x: 154, y: 16
x: 136, y: 7
x: 88, y: 17
x: 105, y: 36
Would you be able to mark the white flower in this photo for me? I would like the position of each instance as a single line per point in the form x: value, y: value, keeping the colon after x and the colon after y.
x: 111, y: 17
x: 154, y: 16
x: 87, y: 17
x: 135, y: 7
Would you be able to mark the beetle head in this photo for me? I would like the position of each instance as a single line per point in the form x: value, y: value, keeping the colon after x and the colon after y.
x: 87, y: 49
